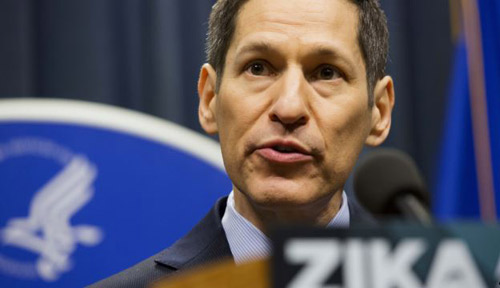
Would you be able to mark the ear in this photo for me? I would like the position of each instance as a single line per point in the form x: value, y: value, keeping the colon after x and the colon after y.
x: 206, y: 93
x: 383, y: 94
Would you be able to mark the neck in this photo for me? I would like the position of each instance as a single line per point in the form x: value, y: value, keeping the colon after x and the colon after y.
x: 319, y: 213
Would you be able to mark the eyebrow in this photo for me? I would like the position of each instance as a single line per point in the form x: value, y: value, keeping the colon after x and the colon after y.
x: 260, y: 46
x: 327, y: 51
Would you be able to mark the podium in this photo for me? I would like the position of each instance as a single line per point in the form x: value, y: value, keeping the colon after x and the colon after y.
x: 224, y: 275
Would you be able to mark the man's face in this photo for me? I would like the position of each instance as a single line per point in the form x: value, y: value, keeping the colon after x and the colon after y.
x: 292, y: 110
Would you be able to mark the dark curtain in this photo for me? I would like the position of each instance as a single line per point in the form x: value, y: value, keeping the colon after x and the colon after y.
x: 146, y: 54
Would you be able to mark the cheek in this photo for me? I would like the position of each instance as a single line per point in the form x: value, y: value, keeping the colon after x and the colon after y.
x: 238, y: 115
x: 232, y: 121
x: 239, y: 108
x: 344, y: 131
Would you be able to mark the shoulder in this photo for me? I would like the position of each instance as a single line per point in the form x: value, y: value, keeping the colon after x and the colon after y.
x: 139, y: 275
x: 206, y: 242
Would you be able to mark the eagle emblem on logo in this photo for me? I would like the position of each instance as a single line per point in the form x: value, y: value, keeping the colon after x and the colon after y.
x: 47, y: 231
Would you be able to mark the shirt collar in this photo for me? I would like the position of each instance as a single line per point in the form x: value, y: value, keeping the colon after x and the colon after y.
x: 248, y: 243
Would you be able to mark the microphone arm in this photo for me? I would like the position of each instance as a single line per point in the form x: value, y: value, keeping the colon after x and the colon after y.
x: 412, y: 209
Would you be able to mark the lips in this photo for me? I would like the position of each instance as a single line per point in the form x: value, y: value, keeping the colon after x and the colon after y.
x: 284, y: 152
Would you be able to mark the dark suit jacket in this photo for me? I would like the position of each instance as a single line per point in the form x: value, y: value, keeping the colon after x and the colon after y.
x: 206, y: 242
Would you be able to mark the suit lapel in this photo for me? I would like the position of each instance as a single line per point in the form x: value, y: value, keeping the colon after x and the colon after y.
x: 206, y: 242
x: 358, y: 215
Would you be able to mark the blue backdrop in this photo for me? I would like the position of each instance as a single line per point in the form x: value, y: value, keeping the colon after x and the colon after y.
x: 80, y: 203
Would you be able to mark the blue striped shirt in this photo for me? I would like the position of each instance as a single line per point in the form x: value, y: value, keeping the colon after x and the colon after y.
x: 248, y: 243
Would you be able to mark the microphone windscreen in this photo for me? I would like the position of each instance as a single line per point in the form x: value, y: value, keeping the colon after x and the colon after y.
x: 385, y: 174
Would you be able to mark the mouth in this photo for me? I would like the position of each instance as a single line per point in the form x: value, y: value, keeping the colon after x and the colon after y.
x: 284, y: 152
x: 285, y: 149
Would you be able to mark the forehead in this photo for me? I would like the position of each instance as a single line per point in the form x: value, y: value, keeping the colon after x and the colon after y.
x: 305, y: 22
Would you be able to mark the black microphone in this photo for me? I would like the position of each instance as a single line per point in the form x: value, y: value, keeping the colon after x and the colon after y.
x: 388, y: 183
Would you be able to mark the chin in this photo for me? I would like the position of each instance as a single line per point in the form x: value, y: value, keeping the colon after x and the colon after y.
x: 281, y: 192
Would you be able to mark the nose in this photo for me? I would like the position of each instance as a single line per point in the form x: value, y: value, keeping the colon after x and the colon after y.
x: 290, y: 107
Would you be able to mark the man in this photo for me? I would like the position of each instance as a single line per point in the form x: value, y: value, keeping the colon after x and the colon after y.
x: 294, y: 89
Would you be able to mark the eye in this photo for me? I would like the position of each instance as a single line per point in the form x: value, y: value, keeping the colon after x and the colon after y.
x: 326, y: 72
x: 258, y: 68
